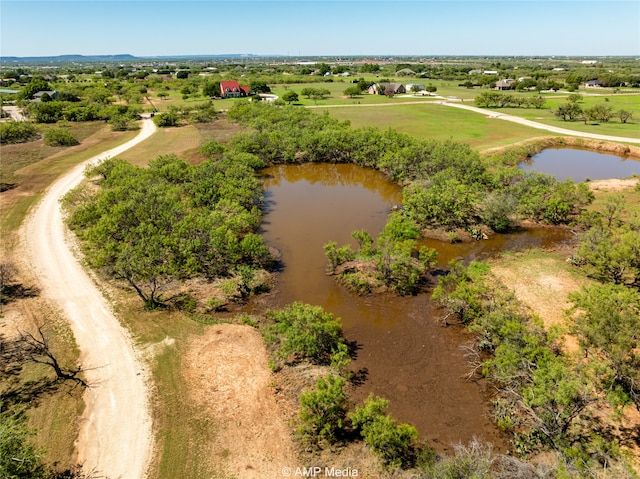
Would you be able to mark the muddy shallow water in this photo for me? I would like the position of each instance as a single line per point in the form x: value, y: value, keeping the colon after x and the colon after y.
x: 578, y: 165
x: 406, y: 354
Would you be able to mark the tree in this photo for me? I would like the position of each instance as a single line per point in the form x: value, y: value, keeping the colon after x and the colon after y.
x: 610, y: 255
x: 259, y: 86
x: 35, y: 85
x: 568, y: 111
x: 182, y: 74
x: 36, y: 348
x: 290, y: 96
x: 352, y: 91
x: 19, y: 459
x: 625, y: 115
x: 17, y: 132
x: 395, y: 444
x: 59, y: 137
x: 537, y: 101
x: 323, y: 410
x: 606, y: 319
x: 307, y: 332
x: 322, y: 69
x: 370, y: 68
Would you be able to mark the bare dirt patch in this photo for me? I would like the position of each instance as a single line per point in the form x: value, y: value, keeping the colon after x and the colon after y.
x: 613, y: 184
x: 542, y: 284
x: 230, y: 382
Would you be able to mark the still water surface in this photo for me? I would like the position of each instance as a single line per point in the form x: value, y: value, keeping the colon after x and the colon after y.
x: 578, y: 165
x: 409, y: 357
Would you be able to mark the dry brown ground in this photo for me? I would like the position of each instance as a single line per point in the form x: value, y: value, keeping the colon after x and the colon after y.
x: 540, y: 283
x: 613, y: 184
x: 230, y: 381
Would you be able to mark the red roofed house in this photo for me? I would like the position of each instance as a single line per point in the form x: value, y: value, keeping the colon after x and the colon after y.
x: 231, y: 89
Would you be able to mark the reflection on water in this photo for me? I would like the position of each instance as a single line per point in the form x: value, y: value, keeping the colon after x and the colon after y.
x: 410, y: 358
x: 578, y: 165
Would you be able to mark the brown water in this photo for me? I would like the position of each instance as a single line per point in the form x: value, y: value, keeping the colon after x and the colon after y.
x: 406, y: 354
x: 578, y: 165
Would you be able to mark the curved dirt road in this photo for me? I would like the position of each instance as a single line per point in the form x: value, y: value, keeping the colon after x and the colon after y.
x: 115, y: 434
x: 540, y: 126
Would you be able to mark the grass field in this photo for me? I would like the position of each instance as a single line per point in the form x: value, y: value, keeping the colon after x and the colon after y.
x: 545, y: 115
x: 438, y: 122
x: 32, y: 167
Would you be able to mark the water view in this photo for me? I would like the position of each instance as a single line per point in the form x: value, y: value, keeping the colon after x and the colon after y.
x: 580, y: 165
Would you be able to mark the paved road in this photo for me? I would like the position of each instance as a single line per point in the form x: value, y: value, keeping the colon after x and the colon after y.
x: 115, y: 434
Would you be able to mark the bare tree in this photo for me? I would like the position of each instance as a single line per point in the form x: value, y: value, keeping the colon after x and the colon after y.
x: 35, y: 348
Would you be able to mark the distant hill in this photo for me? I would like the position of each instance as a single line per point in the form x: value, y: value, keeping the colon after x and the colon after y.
x: 113, y: 58
x: 69, y: 58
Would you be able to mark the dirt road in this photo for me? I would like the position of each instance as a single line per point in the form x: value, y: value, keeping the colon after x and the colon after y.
x: 115, y: 434
x: 540, y: 126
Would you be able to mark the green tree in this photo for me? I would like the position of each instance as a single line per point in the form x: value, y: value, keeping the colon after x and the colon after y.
x: 370, y: 68
x: 35, y: 85
x: 624, y: 115
x: 17, y: 132
x: 606, y: 319
x: 259, y: 86
x: 290, y: 96
x: 19, y: 459
x: 59, y: 137
x: 303, y: 331
x: 352, y: 91
x: 323, y: 410
x: 395, y: 444
x: 568, y: 111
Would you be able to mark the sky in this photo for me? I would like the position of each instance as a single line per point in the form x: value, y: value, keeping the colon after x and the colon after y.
x: 320, y: 28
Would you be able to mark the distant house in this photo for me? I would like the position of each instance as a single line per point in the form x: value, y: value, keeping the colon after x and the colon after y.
x: 592, y: 84
x: 52, y: 94
x: 490, y: 72
x: 388, y: 89
x: 506, y: 84
x: 231, y: 89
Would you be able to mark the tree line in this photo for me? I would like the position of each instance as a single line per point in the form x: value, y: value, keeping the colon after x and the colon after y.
x: 447, y: 184
x: 153, y: 227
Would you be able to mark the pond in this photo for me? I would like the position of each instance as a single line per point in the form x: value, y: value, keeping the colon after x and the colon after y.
x: 579, y: 165
x: 407, y: 355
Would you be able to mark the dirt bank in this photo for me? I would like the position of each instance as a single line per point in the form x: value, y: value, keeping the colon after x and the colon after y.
x: 231, y: 383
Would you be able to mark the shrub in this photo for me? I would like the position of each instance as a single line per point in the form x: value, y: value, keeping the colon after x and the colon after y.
x: 17, y: 132
x: 323, y: 410
x: 59, y: 137
x: 395, y: 444
x: 305, y: 331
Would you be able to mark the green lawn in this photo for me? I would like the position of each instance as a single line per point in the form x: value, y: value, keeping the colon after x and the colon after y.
x: 438, y: 122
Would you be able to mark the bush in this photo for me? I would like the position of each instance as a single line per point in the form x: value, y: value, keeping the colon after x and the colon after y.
x: 323, y: 410
x: 395, y: 444
x: 163, y: 120
x: 59, y: 137
x: 17, y: 132
x: 305, y: 331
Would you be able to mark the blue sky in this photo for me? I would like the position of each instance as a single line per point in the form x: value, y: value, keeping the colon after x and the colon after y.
x: 310, y: 28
